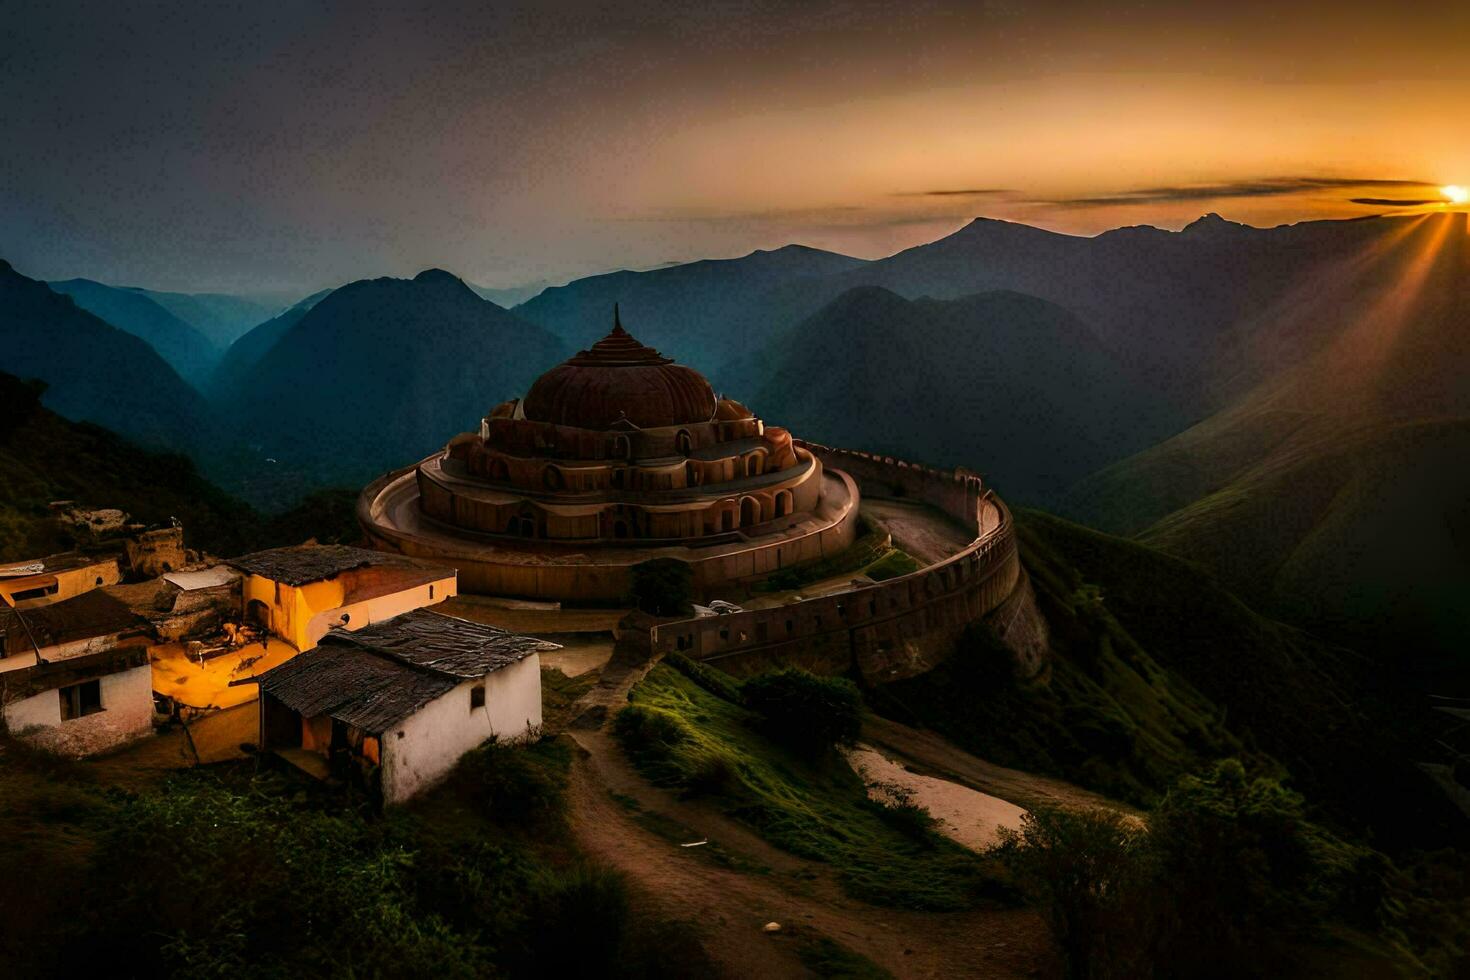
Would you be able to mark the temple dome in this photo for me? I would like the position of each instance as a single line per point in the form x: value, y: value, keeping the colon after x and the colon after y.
x: 619, y: 378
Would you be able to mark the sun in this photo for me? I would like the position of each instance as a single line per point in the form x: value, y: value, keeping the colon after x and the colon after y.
x: 1455, y: 193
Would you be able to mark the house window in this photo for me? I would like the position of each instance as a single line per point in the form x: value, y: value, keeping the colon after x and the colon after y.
x: 39, y: 592
x: 80, y: 699
x: 431, y: 592
x: 477, y: 697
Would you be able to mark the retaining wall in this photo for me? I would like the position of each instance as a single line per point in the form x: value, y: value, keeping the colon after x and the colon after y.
x: 886, y: 631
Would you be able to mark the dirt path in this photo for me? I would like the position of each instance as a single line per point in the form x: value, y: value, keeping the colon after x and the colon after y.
x: 730, y: 887
x: 963, y: 814
x: 929, y: 753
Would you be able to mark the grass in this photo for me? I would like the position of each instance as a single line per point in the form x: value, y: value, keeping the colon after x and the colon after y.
x: 872, y: 554
x: 828, y: 958
x: 223, y: 871
x: 684, y: 736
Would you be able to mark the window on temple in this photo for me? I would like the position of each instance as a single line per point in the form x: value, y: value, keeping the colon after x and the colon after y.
x: 80, y: 699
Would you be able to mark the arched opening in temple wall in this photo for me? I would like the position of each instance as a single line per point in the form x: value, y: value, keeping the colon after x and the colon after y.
x: 622, y: 448
x: 693, y: 475
x: 552, y: 478
x: 783, y: 503
x: 498, y: 470
x: 750, y: 511
x: 754, y: 464
x: 683, y: 442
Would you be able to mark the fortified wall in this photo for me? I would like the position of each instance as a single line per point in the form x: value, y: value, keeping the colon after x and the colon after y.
x: 886, y: 631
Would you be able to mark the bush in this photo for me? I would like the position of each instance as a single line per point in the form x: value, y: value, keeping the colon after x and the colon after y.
x: 663, y: 586
x: 803, y: 711
x: 512, y: 782
x: 1087, y: 870
x: 716, y: 682
x: 649, y: 731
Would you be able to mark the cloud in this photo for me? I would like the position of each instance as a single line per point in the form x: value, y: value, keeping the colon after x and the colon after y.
x: 957, y: 192
x: 1395, y: 202
x: 1259, y: 187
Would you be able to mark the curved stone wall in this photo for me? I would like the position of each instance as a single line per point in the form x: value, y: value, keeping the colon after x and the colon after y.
x: 886, y: 631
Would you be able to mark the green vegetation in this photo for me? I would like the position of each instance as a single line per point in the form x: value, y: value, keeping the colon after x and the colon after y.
x: 805, y: 712
x: 220, y: 871
x: 830, y: 959
x: 45, y: 458
x: 691, y: 736
x: 872, y: 554
x: 1228, y: 874
x: 663, y: 586
x: 1155, y: 671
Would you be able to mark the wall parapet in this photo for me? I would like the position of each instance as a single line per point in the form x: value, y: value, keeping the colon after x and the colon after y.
x: 887, y: 630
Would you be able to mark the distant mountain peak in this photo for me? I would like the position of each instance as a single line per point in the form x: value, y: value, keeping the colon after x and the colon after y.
x: 1213, y: 224
x: 436, y: 275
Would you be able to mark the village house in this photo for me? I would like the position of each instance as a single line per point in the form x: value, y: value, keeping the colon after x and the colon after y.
x: 55, y: 578
x: 398, y: 702
x: 241, y: 618
x: 299, y: 593
x: 74, y: 674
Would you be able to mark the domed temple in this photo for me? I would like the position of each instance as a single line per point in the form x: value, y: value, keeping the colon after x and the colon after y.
x: 614, y: 457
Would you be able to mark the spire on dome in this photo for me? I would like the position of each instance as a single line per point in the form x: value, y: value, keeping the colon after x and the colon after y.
x: 617, y: 322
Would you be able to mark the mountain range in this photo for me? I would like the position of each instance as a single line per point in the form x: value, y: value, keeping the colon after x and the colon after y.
x: 376, y: 374
x: 1279, y: 405
x: 94, y: 371
x: 187, y: 350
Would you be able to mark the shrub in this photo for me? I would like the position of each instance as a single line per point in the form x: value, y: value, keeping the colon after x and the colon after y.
x: 580, y: 916
x: 716, y: 682
x: 649, y: 731
x: 804, y: 711
x: 511, y: 782
x: 663, y: 586
x: 1086, y: 869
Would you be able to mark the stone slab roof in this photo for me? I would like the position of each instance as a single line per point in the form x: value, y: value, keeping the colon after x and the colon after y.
x: 89, y: 615
x: 377, y: 676
x: 52, y: 563
x: 444, y: 644
x: 302, y: 564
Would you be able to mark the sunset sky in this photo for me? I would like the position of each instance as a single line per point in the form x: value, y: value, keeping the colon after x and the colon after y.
x: 277, y: 146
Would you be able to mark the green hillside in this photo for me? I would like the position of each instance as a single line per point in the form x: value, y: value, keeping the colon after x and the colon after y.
x: 1156, y: 669
x: 45, y: 457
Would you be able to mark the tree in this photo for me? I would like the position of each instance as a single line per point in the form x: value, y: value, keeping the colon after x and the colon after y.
x: 663, y: 586
x: 1088, y: 870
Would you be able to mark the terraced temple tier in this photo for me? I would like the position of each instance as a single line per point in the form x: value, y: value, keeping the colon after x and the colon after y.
x: 616, y: 456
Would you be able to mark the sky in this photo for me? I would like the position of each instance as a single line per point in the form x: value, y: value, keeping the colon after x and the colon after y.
x: 286, y: 146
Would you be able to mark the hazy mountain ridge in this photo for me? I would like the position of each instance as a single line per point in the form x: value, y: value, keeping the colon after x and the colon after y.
x: 381, y: 372
x: 246, y: 352
x: 221, y: 317
x: 1334, y: 493
x: 94, y: 371
x: 705, y: 314
x: 187, y: 350
x: 1007, y: 384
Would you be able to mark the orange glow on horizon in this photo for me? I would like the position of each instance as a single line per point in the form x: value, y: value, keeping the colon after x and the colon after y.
x: 1455, y: 193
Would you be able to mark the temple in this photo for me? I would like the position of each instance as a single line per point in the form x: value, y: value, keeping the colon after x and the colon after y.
x: 613, y: 457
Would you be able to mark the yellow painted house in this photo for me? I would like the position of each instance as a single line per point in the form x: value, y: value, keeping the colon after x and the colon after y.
x: 56, y: 578
x: 300, y: 593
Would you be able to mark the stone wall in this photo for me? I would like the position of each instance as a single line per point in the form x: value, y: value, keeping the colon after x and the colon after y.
x: 886, y: 631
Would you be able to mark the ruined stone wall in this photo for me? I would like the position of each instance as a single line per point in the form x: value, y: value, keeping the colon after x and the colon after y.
x: 886, y: 631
